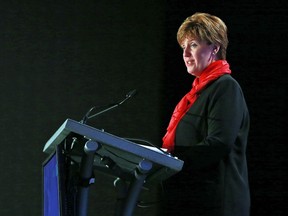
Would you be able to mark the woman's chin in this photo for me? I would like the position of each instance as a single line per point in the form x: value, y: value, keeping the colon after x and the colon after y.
x: 193, y: 72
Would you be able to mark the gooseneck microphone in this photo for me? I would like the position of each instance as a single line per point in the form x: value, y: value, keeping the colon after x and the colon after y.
x: 87, y: 116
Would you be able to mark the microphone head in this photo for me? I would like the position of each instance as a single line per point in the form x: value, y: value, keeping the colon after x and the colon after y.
x: 131, y: 93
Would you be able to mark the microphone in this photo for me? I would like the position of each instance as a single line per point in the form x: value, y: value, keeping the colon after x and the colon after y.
x: 111, y: 106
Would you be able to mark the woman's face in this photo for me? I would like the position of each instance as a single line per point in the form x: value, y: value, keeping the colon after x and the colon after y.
x: 197, y: 55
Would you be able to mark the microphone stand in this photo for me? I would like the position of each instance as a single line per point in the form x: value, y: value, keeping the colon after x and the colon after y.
x: 87, y: 117
x: 105, y: 110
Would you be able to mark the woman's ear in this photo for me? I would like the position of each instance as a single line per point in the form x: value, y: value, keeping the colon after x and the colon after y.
x: 216, y: 49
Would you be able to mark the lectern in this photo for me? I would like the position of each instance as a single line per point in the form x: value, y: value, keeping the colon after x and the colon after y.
x: 133, y: 165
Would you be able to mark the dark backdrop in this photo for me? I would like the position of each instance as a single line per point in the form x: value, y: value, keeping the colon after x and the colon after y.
x: 59, y: 58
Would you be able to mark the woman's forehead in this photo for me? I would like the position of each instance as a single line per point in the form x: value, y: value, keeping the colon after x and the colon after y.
x: 190, y: 38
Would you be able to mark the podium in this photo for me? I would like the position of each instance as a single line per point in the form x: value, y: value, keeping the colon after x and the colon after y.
x: 129, y: 162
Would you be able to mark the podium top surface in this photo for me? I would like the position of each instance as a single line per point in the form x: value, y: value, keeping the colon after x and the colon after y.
x: 119, y: 149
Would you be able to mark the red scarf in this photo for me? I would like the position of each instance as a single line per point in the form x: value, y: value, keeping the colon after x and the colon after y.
x: 212, y: 72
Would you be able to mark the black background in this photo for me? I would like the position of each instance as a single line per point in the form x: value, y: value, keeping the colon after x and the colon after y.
x: 59, y: 58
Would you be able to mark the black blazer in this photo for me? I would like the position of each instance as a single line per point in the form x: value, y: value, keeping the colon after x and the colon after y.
x: 211, y: 139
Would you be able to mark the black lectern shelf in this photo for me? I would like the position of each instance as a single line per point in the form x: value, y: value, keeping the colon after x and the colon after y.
x: 107, y: 153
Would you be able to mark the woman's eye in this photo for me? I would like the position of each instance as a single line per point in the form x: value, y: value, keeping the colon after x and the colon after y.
x: 193, y: 45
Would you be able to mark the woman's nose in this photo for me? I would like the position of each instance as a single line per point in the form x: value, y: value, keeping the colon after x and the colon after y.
x: 186, y: 52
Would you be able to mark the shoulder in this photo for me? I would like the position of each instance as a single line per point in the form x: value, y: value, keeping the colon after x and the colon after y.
x: 225, y: 86
x: 226, y: 82
x: 227, y: 78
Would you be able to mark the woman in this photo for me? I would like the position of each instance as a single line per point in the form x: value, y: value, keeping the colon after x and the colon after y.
x: 209, y: 128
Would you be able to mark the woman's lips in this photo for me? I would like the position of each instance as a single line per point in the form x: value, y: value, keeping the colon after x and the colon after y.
x: 189, y: 62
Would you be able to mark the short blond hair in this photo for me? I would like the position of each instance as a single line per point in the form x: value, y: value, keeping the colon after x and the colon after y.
x: 205, y: 27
